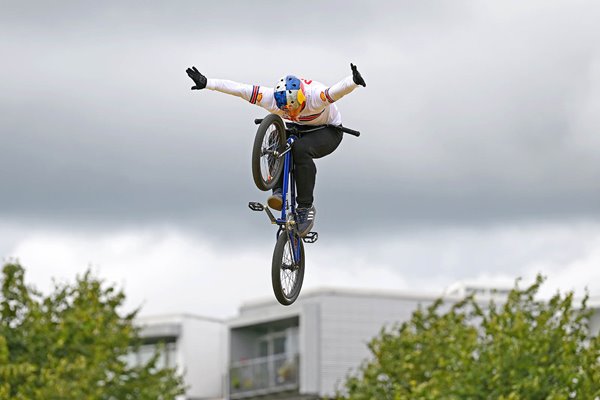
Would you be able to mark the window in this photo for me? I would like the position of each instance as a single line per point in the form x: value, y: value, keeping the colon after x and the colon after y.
x: 279, y: 345
x: 167, y: 358
x: 263, y: 348
x: 272, y: 344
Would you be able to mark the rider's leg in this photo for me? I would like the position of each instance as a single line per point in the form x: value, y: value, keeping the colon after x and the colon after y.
x: 308, y: 147
x: 275, y: 200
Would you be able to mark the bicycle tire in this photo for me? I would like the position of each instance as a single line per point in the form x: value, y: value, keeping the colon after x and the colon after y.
x: 287, y: 276
x: 266, y: 168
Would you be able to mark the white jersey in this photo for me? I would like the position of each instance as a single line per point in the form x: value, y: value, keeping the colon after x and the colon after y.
x: 319, y: 108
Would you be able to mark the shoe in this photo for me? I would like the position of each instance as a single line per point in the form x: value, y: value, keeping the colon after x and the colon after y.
x: 275, y: 201
x: 305, y: 220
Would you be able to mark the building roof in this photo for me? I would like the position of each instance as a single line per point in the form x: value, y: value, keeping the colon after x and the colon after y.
x: 346, y: 292
x: 173, y: 318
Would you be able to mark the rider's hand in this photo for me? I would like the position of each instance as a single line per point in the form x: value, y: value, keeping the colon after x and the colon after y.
x: 197, y: 77
x: 356, y: 77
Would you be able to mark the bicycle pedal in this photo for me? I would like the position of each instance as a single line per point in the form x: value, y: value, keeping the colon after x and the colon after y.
x: 256, y: 206
x: 311, y: 237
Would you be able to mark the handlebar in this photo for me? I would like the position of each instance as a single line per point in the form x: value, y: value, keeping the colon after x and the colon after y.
x: 349, y: 131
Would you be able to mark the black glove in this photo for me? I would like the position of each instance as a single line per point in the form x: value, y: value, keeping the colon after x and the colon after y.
x: 356, y: 76
x: 197, y: 77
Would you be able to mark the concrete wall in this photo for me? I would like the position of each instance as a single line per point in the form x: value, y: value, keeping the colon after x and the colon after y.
x: 203, y: 344
x: 310, y: 348
x: 348, y: 323
x: 200, y: 351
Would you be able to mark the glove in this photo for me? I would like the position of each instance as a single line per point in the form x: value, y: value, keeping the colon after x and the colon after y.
x: 197, y: 77
x: 356, y: 77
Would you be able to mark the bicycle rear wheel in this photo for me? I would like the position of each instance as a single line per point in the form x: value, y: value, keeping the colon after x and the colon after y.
x: 266, y: 166
x: 287, y: 271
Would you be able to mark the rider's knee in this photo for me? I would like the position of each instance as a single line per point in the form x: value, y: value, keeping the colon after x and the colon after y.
x: 300, y: 150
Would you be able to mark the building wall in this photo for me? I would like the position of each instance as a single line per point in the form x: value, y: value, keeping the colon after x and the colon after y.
x: 310, y: 348
x: 202, y: 343
x: 200, y: 350
x: 334, y: 329
x: 347, y: 324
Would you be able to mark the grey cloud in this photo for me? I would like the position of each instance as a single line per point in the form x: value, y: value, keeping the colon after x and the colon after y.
x: 472, y: 114
x: 265, y: 18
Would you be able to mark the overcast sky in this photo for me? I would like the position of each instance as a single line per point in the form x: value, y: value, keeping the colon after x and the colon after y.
x: 478, y: 158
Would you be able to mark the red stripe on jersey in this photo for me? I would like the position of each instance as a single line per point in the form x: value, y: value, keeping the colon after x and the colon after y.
x: 310, y: 117
x: 254, y: 94
x: 329, y: 99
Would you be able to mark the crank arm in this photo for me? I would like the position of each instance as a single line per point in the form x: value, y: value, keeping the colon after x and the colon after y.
x: 256, y: 206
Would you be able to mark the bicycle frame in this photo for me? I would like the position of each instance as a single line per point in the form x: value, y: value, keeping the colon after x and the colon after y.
x: 289, y: 182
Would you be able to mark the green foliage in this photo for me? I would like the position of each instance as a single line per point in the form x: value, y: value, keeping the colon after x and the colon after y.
x: 72, y: 344
x: 521, y: 349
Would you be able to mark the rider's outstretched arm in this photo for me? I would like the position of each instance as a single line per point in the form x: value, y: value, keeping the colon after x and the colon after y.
x: 343, y: 87
x: 259, y: 95
x: 247, y: 92
x: 262, y: 96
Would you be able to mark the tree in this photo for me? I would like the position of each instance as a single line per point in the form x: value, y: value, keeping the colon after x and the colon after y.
x: 73, y: 344
x: 521, y: 349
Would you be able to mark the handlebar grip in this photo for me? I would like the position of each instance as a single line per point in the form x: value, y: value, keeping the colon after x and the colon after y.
x: 350, y: 131
x: 257, y: 121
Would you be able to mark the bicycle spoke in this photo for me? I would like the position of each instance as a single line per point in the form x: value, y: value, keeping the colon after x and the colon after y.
x: 268, y: 160
x: 289, y: 271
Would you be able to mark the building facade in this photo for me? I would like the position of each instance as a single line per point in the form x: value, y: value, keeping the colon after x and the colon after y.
x: 305, y: 351
x: 195, y: 346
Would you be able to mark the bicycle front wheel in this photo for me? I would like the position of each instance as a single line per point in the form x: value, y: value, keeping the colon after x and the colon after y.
x: 266, y: 165
x: 287, y: 270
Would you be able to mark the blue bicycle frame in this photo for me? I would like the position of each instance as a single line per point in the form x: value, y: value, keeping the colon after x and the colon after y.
x: 289, y: 182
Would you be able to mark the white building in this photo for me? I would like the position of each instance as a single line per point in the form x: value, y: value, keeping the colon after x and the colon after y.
x: 195, y: 345
x: 305, y: 351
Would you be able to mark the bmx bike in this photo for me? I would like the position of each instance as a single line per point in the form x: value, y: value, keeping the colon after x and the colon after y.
x: 271, y: 157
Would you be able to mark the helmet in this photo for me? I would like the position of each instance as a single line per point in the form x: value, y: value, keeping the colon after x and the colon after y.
x: 289, y: 93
